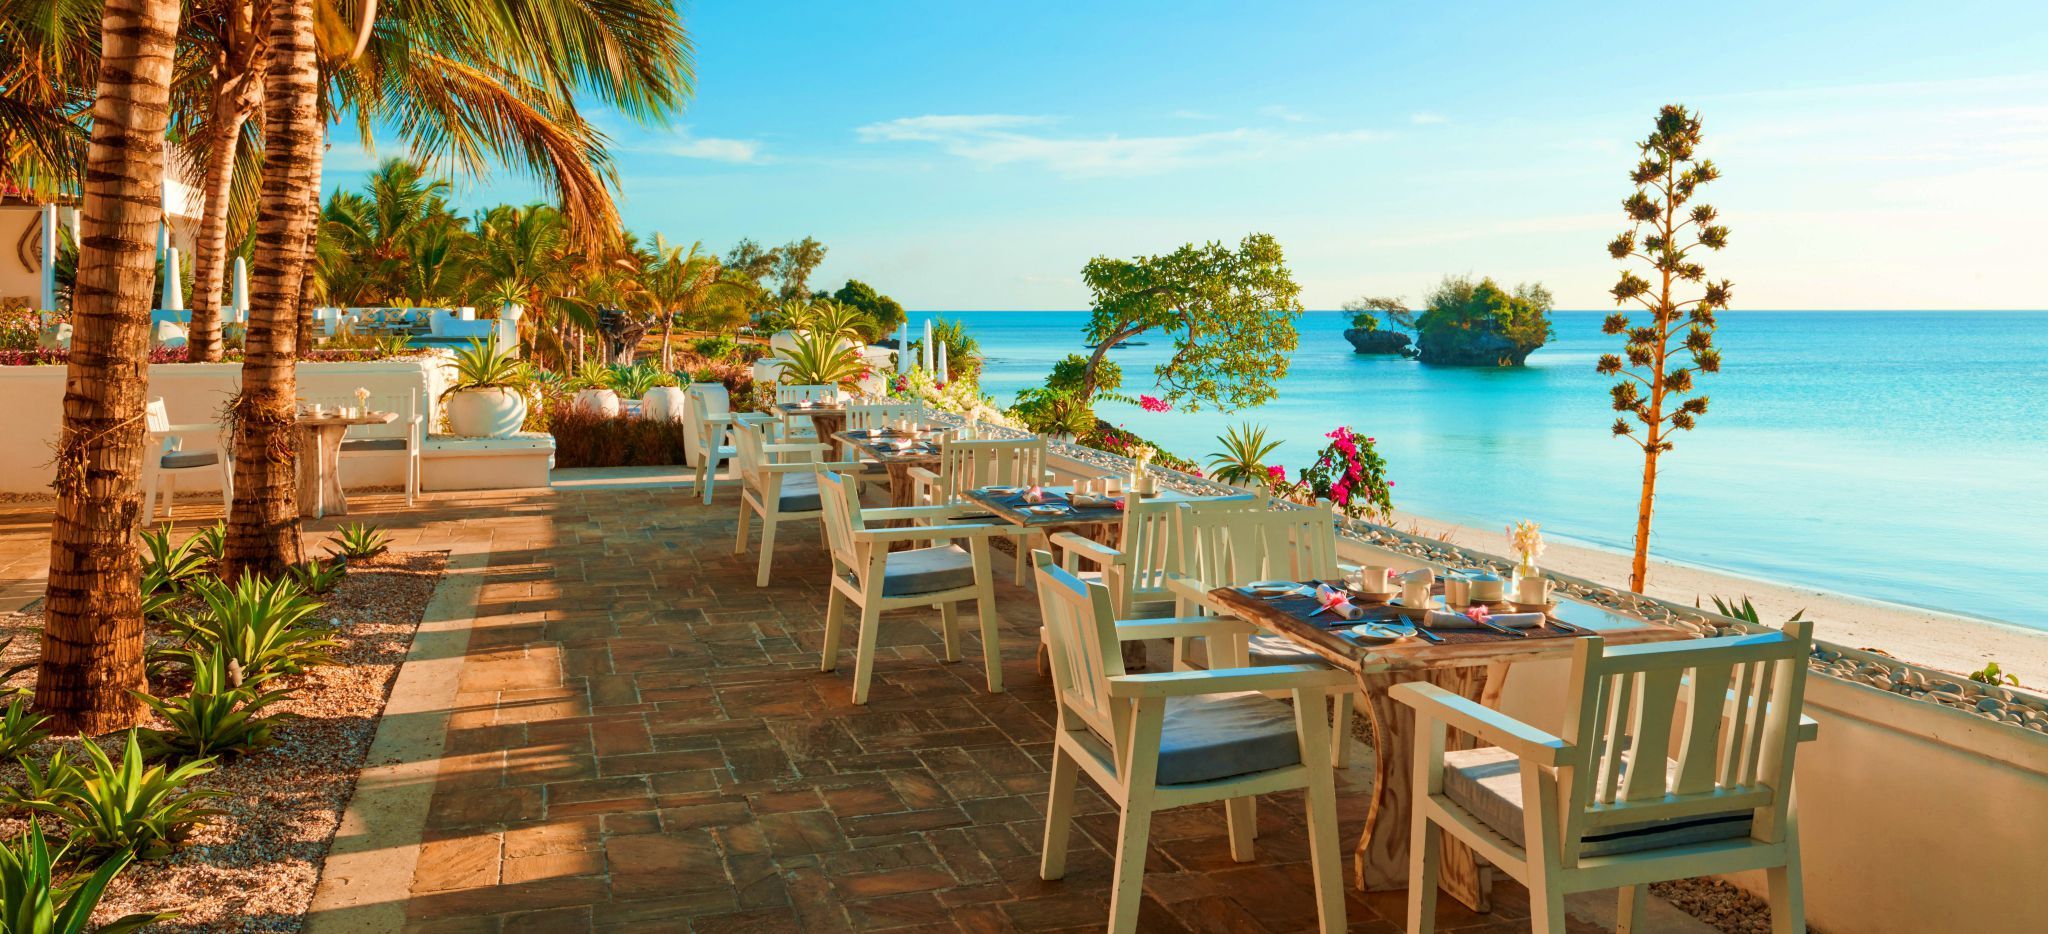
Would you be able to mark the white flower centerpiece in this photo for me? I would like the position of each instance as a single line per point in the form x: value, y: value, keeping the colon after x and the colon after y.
x: 1526, y: 540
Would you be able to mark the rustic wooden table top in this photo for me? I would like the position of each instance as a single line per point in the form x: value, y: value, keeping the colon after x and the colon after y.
x: 371, y: 418
x: 1335, y: 642
x: 882, y: 447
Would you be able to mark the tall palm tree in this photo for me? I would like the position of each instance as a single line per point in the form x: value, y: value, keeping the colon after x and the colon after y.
x: 224, y: 39
x: 263, y: 520
x: 92, y: 639
x: 680, y: 282
x: 49, y: 60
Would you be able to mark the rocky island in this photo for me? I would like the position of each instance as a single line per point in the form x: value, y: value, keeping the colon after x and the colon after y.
x: 1379, y: 341
x: 1464, y: 323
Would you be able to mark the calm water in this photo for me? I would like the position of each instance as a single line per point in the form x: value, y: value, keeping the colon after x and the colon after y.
x: 1895, y: 455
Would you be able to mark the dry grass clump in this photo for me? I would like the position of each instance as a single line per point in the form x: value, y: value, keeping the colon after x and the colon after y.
x: 583, y: 439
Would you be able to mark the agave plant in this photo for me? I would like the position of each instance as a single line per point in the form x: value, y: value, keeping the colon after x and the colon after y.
x: 591, y: 375
x: 211, y: 542
x: 818, y: 358
x: 167, y: 565
x: 260, y: 625
x: 633, y: 382
x: 126, y: 806
x: 486, y: 366
x: 832, y: 318
x: 357, y: 541
x: 221, y: 715
x: 316, y: 576
x: 21, y: 725
x: 53, y: 779
x: 33, y: 899
x: 1243, y: 458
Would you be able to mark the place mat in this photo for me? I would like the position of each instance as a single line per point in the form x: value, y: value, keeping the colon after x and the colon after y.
x: 1304, y: 607
x: 1016, y: 502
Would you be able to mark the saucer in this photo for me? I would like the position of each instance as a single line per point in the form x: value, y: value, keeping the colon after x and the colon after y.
x: 1381, y: 633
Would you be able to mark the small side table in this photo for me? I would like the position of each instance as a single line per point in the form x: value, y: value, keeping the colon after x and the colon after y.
x: 320, y: 460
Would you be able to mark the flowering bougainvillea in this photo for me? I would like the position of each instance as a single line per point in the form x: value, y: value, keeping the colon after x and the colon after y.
x: 1154, y: 404
x: 1352, y: 476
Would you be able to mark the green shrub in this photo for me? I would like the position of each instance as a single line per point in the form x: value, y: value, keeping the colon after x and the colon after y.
x: 54, y: 779
x: 715, y: 348
x: 34, y: 901
x: 313, y: 576
x: 260, y: 626
x: 357, y: 541
x: 146, y: 810
x: 221, y: 715
x: 20, y: 725
x: 165, y: 565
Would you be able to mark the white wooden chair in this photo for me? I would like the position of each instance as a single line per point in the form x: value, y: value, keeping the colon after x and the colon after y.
x: 1227, y: 543
x: 874, y: 579
x: 778, y: 483
x: 401, y: 438
x: 1153, y: 742
x: 707, y: 409
x: 799, y: 426
x: 1573, y: 813
x: 166, y: 457
x: 971, y: 464
x: 1135, y: 570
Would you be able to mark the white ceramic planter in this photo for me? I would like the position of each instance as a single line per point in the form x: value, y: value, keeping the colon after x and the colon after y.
x: 662, y: 404
x: 486, y: 413
x: 599, y: 402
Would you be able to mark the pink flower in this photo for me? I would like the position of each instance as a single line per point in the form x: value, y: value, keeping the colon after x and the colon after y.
x: 1477, y: 613
x: 1341, y: 496
x: 1153, y: 404
x: 1277, y: 473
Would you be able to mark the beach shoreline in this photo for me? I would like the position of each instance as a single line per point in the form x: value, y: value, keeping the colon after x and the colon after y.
x: 1946, y: 641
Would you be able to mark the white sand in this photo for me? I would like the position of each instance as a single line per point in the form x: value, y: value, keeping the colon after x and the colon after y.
x: 1940, y: 640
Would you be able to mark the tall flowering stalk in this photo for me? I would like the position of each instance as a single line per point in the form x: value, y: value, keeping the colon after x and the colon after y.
x: 1350, y: 474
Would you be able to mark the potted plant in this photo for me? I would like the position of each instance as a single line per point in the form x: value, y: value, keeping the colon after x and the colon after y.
x: 488, y: 396
x: 593, y: 387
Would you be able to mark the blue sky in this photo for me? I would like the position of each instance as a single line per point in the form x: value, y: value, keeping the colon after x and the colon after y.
x: 976, y: 155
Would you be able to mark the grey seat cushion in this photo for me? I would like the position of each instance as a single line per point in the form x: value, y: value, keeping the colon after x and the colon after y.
x: 180, y: 459
x: 355, y: 445
x: 1488, y: 783
x: 927, y: 570
x: 1207, y: 737
x: 800, y: 493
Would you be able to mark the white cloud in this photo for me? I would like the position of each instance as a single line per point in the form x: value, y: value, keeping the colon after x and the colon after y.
x: 1279, y: 112
x: 1003, y: 139
x: 685, y: 145
x: 1427, y: 117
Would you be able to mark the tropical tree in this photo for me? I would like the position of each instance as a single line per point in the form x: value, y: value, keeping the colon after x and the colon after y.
x: 91, y: 666
x: 1480, y: 323
x: 1231, y: 313
x: 263, y: 519
x: 794, y: 263
x: 884, y: 314
x: 225, y: 39
x: 1667, y: 179
x: 680, y: 283
x: 1366, y: 312
x: 522, y: 256
x: 49, y: 55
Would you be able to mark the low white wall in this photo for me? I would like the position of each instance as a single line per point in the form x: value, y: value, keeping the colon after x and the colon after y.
x: 32, y: 412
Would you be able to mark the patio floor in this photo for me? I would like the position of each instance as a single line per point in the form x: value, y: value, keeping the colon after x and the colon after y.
x: 640, y: 738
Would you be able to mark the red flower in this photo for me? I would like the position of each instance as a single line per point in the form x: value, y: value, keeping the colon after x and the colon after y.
x: 1277, y: 473
x: 1153, y: 404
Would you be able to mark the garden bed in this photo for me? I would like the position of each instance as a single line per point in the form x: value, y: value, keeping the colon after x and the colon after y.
x: 256, y: 866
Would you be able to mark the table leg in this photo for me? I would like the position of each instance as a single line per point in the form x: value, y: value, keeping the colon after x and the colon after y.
x: 902, y: 493
x: 1382, y: 863
x: 828, y: 425
x: 332, y: 496
x: 308, y: 463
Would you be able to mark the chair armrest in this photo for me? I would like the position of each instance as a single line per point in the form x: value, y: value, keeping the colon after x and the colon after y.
x: 1491, y: 725
x: 913, y: 513
x: 1228, y: 681
x: 796, y: 447
x: 922, y: 473
x: 192, y: 428
x: 925, y: 533
x: 1181, y: 585
x: 1087, y: 549
x: 1128, y: 630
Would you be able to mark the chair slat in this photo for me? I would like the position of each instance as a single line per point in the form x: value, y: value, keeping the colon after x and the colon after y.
x: 1651, y: 734
x: 1700, y: 746
x: 1617, y: 735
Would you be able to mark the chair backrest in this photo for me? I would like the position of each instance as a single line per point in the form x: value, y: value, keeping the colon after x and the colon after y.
x: 749, y: 443
x: 806, y: 393
x: 839, y: 496
x: 967, y: 465
x: 1742, y: 696
x: 1147, y: 542
x: 701, y: 401
x: 1227, y: 542
x: 873, y: 415
x: 157, y: 417
x: 1081, y: 642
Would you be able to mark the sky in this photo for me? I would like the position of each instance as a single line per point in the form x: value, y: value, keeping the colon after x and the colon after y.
x: 1876, y: 155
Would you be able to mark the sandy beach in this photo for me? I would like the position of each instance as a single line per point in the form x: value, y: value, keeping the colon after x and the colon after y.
x: 1941, y: 640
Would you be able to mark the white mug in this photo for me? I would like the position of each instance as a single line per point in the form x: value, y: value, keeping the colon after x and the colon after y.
x: 1373, y: 579
x: 1457, y: 590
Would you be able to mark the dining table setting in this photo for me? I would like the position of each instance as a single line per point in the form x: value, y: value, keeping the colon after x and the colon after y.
x: 321, y: 428
x: 1387, y: 627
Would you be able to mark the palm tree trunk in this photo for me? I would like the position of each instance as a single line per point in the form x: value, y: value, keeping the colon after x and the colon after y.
x: 668, y: 328
x: 231, y: 108
x: 92, y: 639
x: 263, y: 523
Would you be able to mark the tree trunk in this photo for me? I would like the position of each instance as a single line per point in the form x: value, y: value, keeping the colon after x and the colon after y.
x: 263, y: 524
x: 1639, y: 570
x: 209, y: 264
x: 668, y: 329
x: 1095, y: 359
x: 92, y: 638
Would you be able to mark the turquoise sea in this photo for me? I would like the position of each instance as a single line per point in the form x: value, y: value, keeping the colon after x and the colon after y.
x: 1901, y: 456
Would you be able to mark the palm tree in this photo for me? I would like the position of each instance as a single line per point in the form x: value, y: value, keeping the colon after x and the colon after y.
x: 227, y: 37
x: 263, y: 520
x: 91, y: 665
x: 522, y: 256
x: 49, y: 54
x: 680, y: 283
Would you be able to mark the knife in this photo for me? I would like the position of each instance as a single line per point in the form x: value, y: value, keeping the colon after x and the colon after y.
x: 1428, y: 636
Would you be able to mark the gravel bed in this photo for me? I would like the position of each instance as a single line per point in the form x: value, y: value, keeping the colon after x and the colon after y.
x: 1729, y: 909
x: 255, y: 867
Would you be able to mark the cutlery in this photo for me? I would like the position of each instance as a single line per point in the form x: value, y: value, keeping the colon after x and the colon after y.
x: 1428, y: 636
x: 1506, y: 630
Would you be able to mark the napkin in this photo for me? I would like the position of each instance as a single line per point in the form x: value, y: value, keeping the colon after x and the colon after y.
x: 1335, y: 601
x: 1438, y: 619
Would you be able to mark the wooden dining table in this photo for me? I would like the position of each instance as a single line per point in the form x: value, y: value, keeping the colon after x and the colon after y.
x: 319, y: 459
x: 1475, y: 669
x: 886, y: 447
x: 828, y: 419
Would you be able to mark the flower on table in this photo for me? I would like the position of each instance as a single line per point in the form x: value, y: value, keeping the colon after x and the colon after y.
x: 1154, y: 404
x: 1477, y: 613
x: 1527, y: 541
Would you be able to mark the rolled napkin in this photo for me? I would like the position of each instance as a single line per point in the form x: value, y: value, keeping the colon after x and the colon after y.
x: 1438, y: 619
x: 1036, y: 494
x: 1337, y: 602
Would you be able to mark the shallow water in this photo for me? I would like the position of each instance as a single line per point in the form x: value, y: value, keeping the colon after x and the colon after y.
x: 1901, y: 456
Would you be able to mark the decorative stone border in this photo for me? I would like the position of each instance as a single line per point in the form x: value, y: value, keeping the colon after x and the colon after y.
x: 2017, y: 708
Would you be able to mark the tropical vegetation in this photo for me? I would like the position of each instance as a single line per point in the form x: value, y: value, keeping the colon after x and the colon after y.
x: 1467, y: 323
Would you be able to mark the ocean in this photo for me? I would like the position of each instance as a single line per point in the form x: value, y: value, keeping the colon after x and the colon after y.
x: 1899, y: 456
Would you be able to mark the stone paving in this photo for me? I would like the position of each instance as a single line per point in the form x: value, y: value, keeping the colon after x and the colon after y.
x: 641, y: 740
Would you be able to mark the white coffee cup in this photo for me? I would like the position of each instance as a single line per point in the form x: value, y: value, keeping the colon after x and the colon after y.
x: 1373, y: 579
x: 1457, y: 590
